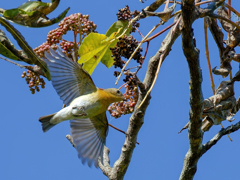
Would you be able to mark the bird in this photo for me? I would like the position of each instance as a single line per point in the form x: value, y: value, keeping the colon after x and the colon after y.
x: 86, y: 106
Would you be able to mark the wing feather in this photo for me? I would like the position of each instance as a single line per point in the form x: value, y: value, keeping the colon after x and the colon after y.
x: 89, y: 136
x: 68, y: 78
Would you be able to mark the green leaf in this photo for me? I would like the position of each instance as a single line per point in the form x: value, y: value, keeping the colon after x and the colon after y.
x: 5, y: 44
x: 27, y: 8
x: 90, y: 46
x: 25, y: 47
x: 107, y: 60
x: 116, y: 29
x: 7, y: 53
x: 32, y: 5
x: 11, y: 13
x: 119, y: 25
x: 89, y: 66
x: 33, y: 14
x: 95, y: 48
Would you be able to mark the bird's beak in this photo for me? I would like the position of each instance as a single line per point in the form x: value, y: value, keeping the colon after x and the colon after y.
x: 123, y: 98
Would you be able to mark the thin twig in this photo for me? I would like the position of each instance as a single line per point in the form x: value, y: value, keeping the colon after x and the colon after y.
x: 232, y: 9
x: 229, y: 16
x: 227, y: 134
x: 166, y: 4
x: 80, y: 29
x: 155, y: 27
x: 128, y: 26
x: 122, y: 86
x: 219, y: 135
x: 146, y: 51
x: 119, y: 130
x: 132, y: 68
x: 179, y: 19
x: 21, y: 66
x: 116, y: 128
x: 139, y: 32
x: 209, y: 64
x: 140, y: 66
x: 159, y: 66
x: 207, y: 56
x: 75, y: 44
x: 225, y: 19
x: 155, y: 78
x: 159, y: 33
x: 204, y: 2
x: 174, y: 14
x: 197, y: 4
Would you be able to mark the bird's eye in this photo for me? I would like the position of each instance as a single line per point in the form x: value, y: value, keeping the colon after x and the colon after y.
x: 118, y: 92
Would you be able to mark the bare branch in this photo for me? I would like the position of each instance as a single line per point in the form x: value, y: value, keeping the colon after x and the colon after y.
x: 232, y: 9
x: 155, y: 5
x: 21, y: 66
x: 225, y: 19
x: 192, y: 55
x: 105, y: 167
x: 218, y: 136
x: 137, y: 119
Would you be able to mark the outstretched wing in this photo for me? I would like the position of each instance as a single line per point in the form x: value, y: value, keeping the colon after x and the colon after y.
x: 68, y: 78
x: 89, y: 136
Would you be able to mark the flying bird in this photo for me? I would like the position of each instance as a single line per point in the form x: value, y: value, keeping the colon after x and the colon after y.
x: 86, y: 106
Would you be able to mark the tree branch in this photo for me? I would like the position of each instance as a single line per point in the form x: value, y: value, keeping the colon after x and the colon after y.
x: 105, y: 167
x: 219, y: 135
x: 190, y: 13
x: 155, y: 5
x: 137, y: 119
x: 192, y: 55
x: 225, y: 19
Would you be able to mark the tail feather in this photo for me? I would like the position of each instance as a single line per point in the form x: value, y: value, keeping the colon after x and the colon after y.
x: 45, y: 120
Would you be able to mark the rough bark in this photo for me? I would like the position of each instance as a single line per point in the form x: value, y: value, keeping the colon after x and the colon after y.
x: 137, y: 119
x: 192, y: 55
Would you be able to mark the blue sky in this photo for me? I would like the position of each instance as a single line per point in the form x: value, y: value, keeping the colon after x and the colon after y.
x: 28, y: 153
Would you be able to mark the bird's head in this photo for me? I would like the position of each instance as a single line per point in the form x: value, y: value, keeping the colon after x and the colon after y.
x: 115, y: 94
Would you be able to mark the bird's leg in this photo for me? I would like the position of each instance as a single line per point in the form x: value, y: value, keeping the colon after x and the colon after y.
x: 78, y: 111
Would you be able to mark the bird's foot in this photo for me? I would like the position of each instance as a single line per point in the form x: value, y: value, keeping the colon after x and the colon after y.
x: 78, y: 111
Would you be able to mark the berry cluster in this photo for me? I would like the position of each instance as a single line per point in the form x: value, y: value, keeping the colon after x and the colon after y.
x: 79, y: 24
x: 33, y: 80
x: 125, y: 47
x: 125, y: 107
x: 125, y: 14
x: 67, y: 46
x: 130, y: 80
x: 44, y: 47
x: 70, y: 23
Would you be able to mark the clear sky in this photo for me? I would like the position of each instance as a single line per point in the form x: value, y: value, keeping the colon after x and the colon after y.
x: 28, y: 153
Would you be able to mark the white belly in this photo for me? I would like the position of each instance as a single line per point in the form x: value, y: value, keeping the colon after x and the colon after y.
x: 90, y: 105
